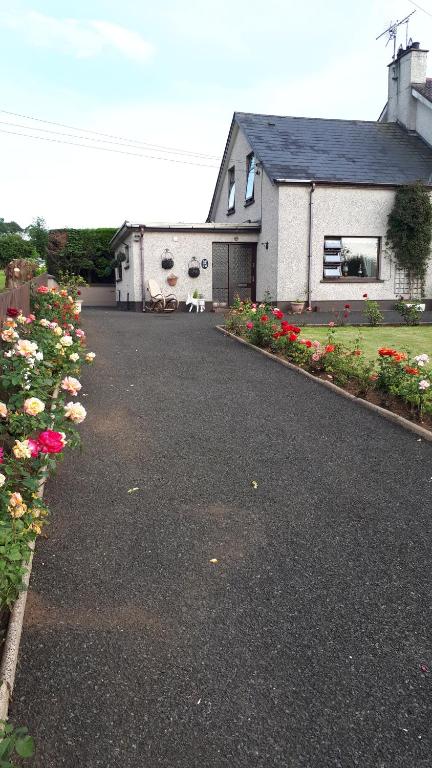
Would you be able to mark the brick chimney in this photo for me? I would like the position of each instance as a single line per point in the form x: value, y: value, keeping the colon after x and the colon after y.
x: 408, y: 68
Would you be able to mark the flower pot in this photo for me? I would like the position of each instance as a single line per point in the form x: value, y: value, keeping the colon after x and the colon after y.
x: 167, y: 263
x: 172, y: 280
x: 297, y: 307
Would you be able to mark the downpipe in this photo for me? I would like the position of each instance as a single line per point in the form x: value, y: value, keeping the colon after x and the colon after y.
x: 309, y: 271
x: 142, y: 267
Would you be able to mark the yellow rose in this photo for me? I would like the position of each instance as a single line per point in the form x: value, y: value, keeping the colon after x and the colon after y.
x: 21, y: 449
x: 33, y: 406
x: 3, y: 410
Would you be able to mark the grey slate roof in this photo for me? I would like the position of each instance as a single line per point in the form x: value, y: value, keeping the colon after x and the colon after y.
x: 424, y: 88
x: 355, y: 151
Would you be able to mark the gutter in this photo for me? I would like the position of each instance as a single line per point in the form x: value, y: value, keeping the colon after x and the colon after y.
x: 309, y: 270
x: 363, y: 184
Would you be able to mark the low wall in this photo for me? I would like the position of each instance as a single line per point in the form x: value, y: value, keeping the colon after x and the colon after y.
x: 99, y: 295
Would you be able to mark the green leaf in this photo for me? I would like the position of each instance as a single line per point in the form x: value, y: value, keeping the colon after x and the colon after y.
x: 25, y: 746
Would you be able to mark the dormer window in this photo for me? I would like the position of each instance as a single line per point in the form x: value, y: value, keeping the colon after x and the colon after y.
x: 250, y: 178
x: 231, y: 190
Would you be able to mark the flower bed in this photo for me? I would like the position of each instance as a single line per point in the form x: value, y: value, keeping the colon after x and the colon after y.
x: 41, y: 359
x: 396, y: 380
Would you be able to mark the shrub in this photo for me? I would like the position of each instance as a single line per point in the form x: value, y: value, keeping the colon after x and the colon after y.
x: 39, y: 353
x: 372, y: 311
x: 409, y: 230
x: 409, y: 312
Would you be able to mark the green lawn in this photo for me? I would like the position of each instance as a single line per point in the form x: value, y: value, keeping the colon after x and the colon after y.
x: 2, y: 280
x: 417, y: 339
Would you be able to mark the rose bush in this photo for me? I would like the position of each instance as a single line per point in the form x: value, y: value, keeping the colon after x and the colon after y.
x: 41, y: 356
x: 393, y: 372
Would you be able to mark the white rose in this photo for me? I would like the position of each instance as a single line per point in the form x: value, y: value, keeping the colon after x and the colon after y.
x: 66, y: 341
x: 2, y: 479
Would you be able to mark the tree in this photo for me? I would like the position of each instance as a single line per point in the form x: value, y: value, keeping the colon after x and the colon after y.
x: 9, y: 227
x: 12, y: 246
x: 38, y: 234
x: 409, y: 230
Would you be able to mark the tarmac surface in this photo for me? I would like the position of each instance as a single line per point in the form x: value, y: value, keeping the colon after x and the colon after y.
x: 199, y: 622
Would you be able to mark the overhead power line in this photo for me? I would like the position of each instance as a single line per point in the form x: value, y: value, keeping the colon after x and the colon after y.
x: 428, y: 13
x: 134, y: 142
x: 108, y: 149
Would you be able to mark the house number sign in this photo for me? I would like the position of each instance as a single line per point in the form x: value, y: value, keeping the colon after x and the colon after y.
x: 204, y: 263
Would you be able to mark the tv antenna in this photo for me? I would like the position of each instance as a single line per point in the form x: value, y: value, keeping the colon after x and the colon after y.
x: 391, y: 31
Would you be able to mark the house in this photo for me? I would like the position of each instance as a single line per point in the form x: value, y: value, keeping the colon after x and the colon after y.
x: 300, y: 207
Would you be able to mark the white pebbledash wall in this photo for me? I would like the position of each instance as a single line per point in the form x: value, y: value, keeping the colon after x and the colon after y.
x: 344, y: 211
x: 264, y: 209
x: 183, y: 247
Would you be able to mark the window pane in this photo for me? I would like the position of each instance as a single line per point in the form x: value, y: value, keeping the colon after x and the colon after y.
x: 360, y: 256
x: 351, y: 257
x: 231, y: 189
x: 250, y: 177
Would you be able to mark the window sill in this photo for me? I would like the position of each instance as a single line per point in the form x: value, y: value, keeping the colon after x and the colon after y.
x: 351, y: 280
x: 249, y: 202
x: 230, y: 211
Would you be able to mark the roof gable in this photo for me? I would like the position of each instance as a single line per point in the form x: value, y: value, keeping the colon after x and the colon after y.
x: 346, y: 151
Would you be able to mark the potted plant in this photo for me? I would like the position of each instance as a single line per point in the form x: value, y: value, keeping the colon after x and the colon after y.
x: 297, y: 306
x: 172, y: 280
x: 194, y: 268
x: 167, y: 259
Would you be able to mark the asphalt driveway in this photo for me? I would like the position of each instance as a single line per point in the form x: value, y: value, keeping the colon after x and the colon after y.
x: 303, y: 645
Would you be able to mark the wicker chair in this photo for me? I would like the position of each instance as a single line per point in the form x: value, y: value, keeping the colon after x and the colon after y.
x: 161, y: 302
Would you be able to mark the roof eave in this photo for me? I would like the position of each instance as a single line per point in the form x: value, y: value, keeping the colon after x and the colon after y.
x: 348, y: 183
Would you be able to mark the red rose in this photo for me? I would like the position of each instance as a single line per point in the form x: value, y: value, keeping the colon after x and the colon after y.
x: 12, y: 312
x: 292, y: 337
x: 264, y: 318
x: 277, y: 313
x: 357, y: 352
x: 346, y: 314
x: 296, y: 329
x: 365, y: 295
x: 347, y: 306
x: 277, y: 335
x: 308, y: 343
x: 330, y: 348
x: 412, y: 371
x: 79, y: 293
x: 51, y: 442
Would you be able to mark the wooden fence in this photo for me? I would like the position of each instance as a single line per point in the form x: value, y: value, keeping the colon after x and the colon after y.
x: 20, y: 297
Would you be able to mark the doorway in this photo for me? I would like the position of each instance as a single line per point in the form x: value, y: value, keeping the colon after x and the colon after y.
x: 233, y: 271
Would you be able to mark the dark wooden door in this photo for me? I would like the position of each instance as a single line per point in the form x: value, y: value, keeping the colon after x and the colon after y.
x: 233, y: 271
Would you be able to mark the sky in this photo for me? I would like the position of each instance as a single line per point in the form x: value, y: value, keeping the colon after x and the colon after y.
x: 160, y: 77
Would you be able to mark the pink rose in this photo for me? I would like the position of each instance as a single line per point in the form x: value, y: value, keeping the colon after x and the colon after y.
x: 331, y: 324
x: 315, y: 357
x: 1, y: 455
x: 34, y: 447
x: 42, y: 289
x: 51, y: 442
x: 249, y: 325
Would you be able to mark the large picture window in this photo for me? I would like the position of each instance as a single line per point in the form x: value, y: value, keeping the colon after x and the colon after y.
x: 231, y: 190
x: 352, y: 258
x: 250, y: 177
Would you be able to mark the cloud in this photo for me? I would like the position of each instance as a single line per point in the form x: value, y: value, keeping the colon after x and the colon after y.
x: 80, y: 38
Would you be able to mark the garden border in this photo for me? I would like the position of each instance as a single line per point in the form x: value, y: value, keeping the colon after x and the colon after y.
x: 389, y: 415
x: 9, y: 658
